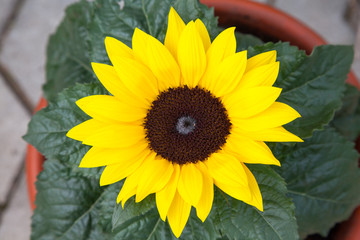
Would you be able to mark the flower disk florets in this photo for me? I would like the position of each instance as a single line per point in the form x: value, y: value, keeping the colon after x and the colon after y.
x: 186, y: 125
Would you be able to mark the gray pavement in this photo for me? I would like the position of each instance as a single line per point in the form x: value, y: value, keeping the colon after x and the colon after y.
x: 24, y: 27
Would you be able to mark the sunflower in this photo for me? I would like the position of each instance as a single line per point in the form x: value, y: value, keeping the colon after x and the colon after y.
x: 183, y: 116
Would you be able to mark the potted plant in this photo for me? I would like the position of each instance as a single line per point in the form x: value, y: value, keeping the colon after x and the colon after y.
x: 69, y: 62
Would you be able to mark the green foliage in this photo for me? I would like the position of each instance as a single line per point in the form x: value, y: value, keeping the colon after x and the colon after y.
x: 68, y: 58
x: 191, y: 10
x: 244, y: 41
x: 79, y: 40
x: 347, y: 119
x: 322, y: 177
x: 320, y: 174
x: 48, y: 127
x: 237, y: 220
x: 313, y: 85
x: 131, y: 210
x: 148, y: 225
x: 69, y: 205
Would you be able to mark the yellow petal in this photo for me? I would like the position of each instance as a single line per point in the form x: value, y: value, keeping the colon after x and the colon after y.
x: 162, y: 64
x: 222, y: 47
x: 125, y: 193
x: 203, y: 208
x: 191, y: 55
x: 175, y: 27
x: 109, y: 109
x: 203, y: 33
x: 245, y: 103
x: 115, y: 48
x: 140, y: 45
x: 116, y: 136
x: 166, y: 195
x: 111, y: 81
x: 256, y: 200
x: 137, y: 78
x: 129, y: 188
x: 226, y: 168
x: 116, y: 172
x: 178, y: 214
x: 228, y: 74
x: 249, y: 151
x: 190, y: 183
x: 276, y: 115
x: 261, y: 76
x: 84, y: 129
x: 260, y: 60
x: 156, y: 175
x: 277, y: 134
x: 97, y: 157
x: 238, y: 191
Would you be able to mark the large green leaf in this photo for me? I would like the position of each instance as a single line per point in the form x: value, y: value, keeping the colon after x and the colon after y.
x: 148, y: 225
x: 118, y: 20
x: 237, y: 220
x: 48, y: 127
x: 142, y: 221
x: 323, y: 180
x: 70, y: 206
x: 191, y: 10
x: 131, y: 210
x: 79, y: 40
x: 347, y: 119
x: 68, y: 58
x: 313, y: 85
x: 244, y: 41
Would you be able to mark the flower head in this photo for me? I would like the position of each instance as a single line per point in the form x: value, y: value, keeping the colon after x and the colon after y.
x: 183, y: 116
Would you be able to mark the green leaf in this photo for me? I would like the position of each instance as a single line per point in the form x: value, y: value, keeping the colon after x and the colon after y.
x: 149, y: 226
x: 79, y: 40
x: 48, y: 127
x: 237, y: 220
x: 346, y: 120
x: 131, y: 209
x: 68, y: 59
x: 69, y: 206
x: 118, y: 19
x: 323, y: 180
x: 192, y: 9
x: 244, y: 41
x: 142, y: 221
x: 148, y: 15
x: 313, y: 85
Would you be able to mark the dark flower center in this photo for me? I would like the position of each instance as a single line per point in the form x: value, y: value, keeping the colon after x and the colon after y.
x: 186, y: 125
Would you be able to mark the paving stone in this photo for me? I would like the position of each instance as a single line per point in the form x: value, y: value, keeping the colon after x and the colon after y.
x: 13, y: 124
x: 5, y: 10
x: 326, y: 17
x: 24, y: 54
x: 16, y: 220
x: 356, y: 68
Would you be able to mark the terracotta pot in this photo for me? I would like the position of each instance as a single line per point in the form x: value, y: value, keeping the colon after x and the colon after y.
x: 260, y: 20
x: 33, y: 163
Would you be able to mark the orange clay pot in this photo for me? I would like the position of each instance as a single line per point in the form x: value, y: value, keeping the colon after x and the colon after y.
x: 264, y: 22
x: 33, y: 163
